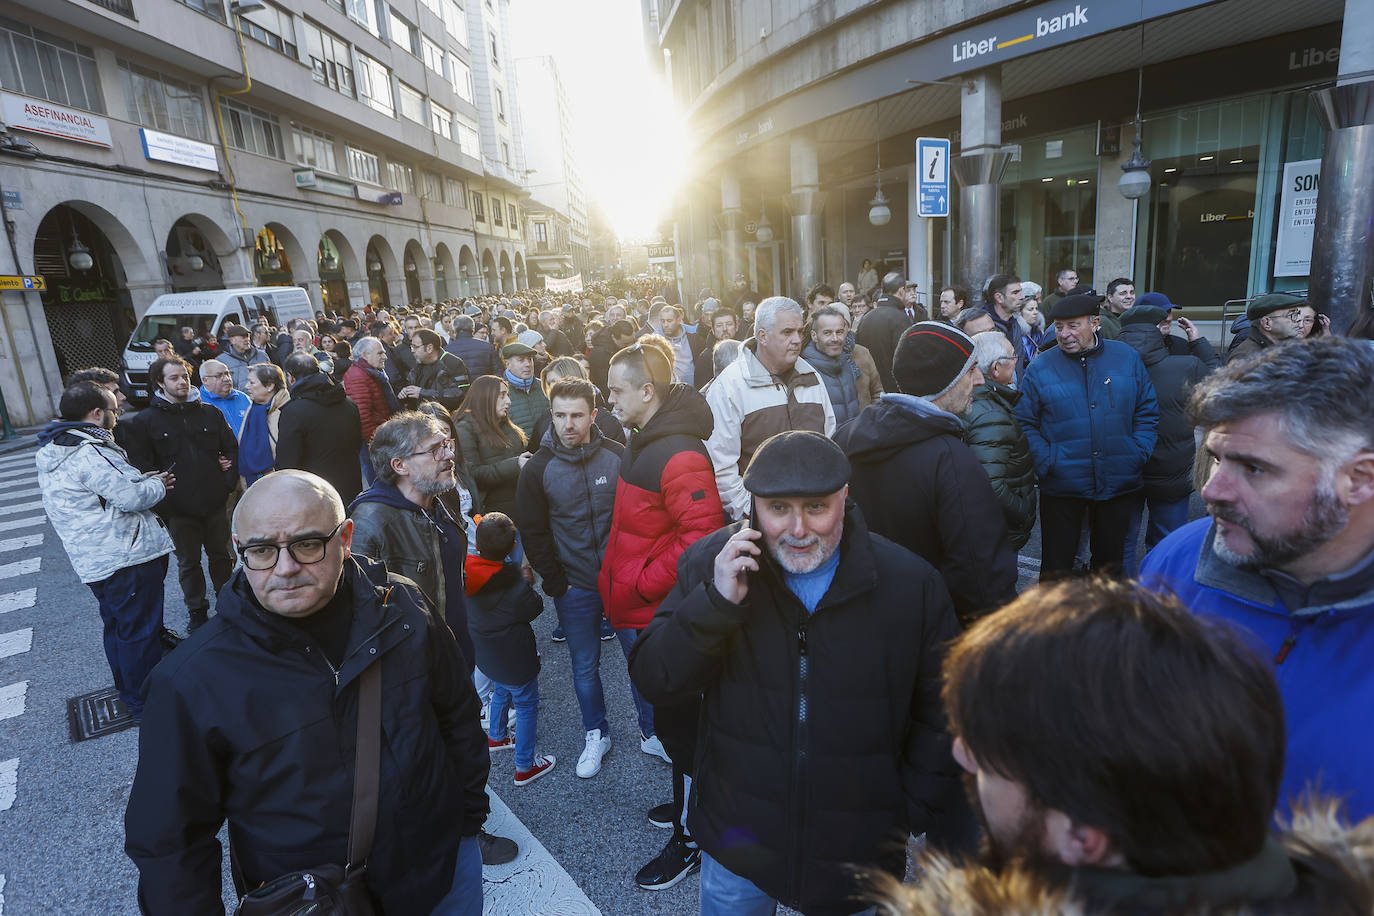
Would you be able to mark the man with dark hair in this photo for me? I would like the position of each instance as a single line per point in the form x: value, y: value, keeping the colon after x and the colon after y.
x: 478, y: 355
x: 438, y: 374
x: 101, y: 507
x: 1120, y: 297
x: 565, y: 500
x: 1003, y: 299
x: 399, y: 359
x: 723, y: 324
x: 882, y: 328
x: 953, y: 300
x: 179, y: 433
x: 109, y: 380
x: 1144, y: 800
x: 320, y: 429
x: 815, y: 648
x: 1064, y: 282
x: 1089, y: 412
x: 846, y: 368
x: 975, y: 321
x: 675, y: 332
x: 818, y: 296
x: 1288, y: 552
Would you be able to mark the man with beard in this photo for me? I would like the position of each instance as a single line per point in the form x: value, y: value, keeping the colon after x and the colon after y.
x: 1288, y: 553
x: 1146, y: 800
x: 400, y: 521
x: 815, y: 647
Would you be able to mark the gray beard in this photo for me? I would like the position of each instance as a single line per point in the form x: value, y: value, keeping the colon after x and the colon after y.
x: 1325, y: 518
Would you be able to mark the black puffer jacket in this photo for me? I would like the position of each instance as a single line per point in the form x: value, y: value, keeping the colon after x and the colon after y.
x: 248, y: 721
x: 1169, y: 472
x: 478, y: 355
x: 991, y: 430
x: 321, y: 433
x: 193, y: 435
x: 564, y: 501
x: 921, y: 486
x: 822, y: 740
x: 445, y: 380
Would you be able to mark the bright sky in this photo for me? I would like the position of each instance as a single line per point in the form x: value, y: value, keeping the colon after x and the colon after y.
x: 629, y: 137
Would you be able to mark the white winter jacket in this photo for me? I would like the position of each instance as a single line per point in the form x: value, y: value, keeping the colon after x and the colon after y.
x: 100, y: 505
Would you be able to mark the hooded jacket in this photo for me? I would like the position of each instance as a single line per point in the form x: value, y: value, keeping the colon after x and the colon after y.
x: 1091, y: 420
x: 599, y: 357
x: 750, y: 404
x: 238, y: 365
x: 1320, y: 865
x: 919, y: 485
x: 1168, y: 474
x: 501, y: 605
x: 249, y: 721
x: 1320, y: 638
x: 99, y: 504
x: 822, y: 742
x: 192, y: 436
x: 665, y: 499
x: 478, y: 355
x: 321, y: 432
x: 564, y: 502
x: 994, y: 435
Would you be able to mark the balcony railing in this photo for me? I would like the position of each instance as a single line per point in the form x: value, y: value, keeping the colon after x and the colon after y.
x: 122, y: 7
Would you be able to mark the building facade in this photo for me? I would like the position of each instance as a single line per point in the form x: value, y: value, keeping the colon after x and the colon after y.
x: 555, y: 183
x: 801, y: 112
x: 366, y: 151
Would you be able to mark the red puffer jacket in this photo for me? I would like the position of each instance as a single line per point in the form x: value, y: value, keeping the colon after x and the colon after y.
x: 364, y: 390
x: 665, y: 499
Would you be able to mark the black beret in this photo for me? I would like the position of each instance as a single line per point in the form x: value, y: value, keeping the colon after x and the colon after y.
x: 1143, y: 314
x: 1263, y: 305
x: 797, y: 463
x: 1075, y: 306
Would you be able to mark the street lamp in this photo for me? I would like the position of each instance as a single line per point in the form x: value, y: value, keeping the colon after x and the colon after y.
x: 195, y: 262
x: 764, y: 231
x: 879, y: 213
x: 1135, y: 172
x: 78, y: 255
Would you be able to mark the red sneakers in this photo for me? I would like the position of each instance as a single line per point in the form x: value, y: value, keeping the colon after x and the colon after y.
x: 505, y: 744
x: 542, y: 765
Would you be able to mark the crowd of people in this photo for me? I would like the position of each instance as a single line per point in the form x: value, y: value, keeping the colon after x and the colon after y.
x: 800, y: 523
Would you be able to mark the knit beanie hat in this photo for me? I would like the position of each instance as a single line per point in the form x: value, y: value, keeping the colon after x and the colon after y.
x: 930, y: 358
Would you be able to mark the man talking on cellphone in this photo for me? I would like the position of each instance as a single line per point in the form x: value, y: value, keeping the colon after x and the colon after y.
x: 816, y: 647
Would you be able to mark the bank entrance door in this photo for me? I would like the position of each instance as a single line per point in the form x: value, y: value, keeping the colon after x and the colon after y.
x: 766, y: 263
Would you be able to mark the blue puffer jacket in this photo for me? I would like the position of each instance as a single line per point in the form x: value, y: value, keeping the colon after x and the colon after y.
x: 1090, y: 420
x: 1321, y: 654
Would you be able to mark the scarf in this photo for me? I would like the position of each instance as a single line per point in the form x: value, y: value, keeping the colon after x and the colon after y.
x: 255, y: 448
x: 523, y: 384
x: 387, y: 391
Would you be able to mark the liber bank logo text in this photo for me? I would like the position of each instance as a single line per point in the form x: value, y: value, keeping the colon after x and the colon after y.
x: 968, y: 49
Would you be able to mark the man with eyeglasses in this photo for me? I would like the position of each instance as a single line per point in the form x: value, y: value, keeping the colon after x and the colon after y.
x: 254, y: 722
x: 217, y: 389
x: 1274, y: 319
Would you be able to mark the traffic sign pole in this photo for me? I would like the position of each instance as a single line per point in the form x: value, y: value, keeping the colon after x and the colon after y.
x: 932, y: 177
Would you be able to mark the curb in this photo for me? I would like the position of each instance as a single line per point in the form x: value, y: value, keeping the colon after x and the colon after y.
x: 22, y: 440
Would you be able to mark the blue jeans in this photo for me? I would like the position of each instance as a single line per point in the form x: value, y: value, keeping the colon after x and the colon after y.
x: 465, y: 897
x: 645, y: 710
x: 1165, y: 516
x: 526, y: 698
x: 579, y: 614
x: 724, y: 893
x: 131, y: 608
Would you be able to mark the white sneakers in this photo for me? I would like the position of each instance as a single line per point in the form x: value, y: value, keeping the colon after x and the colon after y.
x: 654, y: 748
x: 598, y: 745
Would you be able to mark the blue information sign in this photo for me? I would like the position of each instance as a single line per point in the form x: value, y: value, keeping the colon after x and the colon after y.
x: 932, y: 177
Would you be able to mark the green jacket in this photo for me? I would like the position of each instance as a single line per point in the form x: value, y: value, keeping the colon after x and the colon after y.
x: 495, y: 471
x: 526, y: 407
x: 993, y: 434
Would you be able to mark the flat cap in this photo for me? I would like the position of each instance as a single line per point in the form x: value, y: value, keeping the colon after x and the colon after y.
x: 797, y: 463
x: 1143, y: 314
x: 1273, y: 302
x: 516, y: 349
x: 1075, y: 306
x: 235, y: 330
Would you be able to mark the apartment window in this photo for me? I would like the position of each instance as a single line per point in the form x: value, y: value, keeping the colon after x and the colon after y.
x: 434, y: 6
x: 433, y: 55
x: 441, y: 120
x: 456, y: 22
x: 500, y: 103
x: 331, y: 62
x: 272, y: 27
x: 412, y: 103
x: 495, y: 58
x: 434, y: 188
x: 212, y: 8
x: 455, y: 193
x: 251, y: 129
x: 496, y: 212
x: 460, y: 74
x: 505, y: 153
x: 514, y: 219
x: 400, y: 177
x: 163, y: 103
x: 42, y: 65
x: 541, y: 236
x: 467, y: 137
x: 363, y: 166
x: 477, y: 212
x: 363, y: 13
x: 313, y: 148
x: 404, y: 34
x: 374, y: 85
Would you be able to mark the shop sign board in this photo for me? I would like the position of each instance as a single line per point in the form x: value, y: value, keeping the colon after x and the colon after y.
x: 43, y: 117
x: 36, y: 284
x: 932, y: 182
x: 178, y: 150
x: 1297, y: 218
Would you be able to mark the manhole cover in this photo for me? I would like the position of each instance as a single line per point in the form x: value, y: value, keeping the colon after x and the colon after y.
x: 101, y: 712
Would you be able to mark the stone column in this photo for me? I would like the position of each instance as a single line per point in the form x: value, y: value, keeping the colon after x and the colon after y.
x: 807, y: 203
x: 979, y: 170
x: 1114, y: 253
x: 731, y: 230
x: 918, y: 267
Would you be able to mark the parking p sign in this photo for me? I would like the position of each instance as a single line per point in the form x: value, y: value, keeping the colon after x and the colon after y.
x: 932, y: 177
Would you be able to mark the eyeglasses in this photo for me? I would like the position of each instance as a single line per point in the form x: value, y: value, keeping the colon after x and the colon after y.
x: 1297, y: 317
x: 435, y: 450
x: 305, y: 551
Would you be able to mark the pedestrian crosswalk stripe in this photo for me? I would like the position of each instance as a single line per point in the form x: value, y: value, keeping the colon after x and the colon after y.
x: 11, y: 524
x: 16, y: 642
x: 534, y: 882
x: 9, y: 784
x: 17, y: 601
x: 12, y: 699
x: 9, y: 461
x: 2, y: 892
x: 22, y: 507
x: 16, y: 494
x: 21, y: 542
x: 21, y: 568
x: 21, y: 472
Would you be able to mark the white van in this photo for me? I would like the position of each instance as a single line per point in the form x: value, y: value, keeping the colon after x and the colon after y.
x: 207, y: 311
